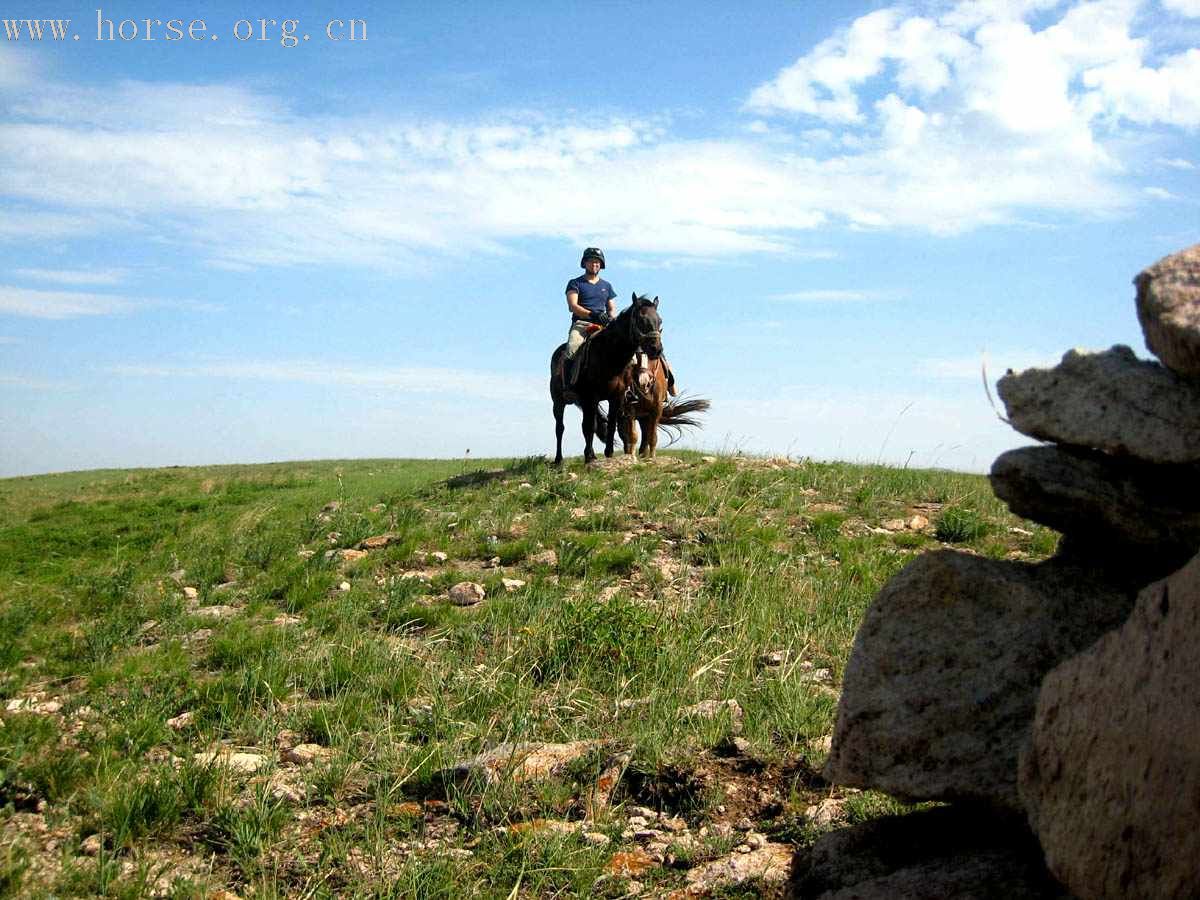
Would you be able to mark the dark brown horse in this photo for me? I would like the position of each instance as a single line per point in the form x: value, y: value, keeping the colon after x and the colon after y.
x: 638, y: 329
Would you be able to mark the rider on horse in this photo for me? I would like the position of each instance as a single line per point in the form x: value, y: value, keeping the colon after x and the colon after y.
x: 592, y: 302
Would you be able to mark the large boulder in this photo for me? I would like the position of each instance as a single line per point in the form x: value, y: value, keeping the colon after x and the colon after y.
x: 1110, y: 778
x: 939, y: 691
x: 1109, y: 401
x: 1151, y: 510
x: 1168, y: 308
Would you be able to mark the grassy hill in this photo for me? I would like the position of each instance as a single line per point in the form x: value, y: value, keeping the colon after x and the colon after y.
x: 155, y: 623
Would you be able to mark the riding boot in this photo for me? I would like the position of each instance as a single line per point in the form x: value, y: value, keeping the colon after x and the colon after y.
x: 569, y: 373
x: 670, y: 379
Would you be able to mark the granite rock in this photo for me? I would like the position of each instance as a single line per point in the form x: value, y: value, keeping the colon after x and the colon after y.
x: 939, y: 691
x: 1109, y: 401
x: 1110, y: 778
x: 1168, y: 308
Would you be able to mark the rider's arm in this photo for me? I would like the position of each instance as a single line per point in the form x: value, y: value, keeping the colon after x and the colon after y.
x: 612, y: 307
x: 573, y: 305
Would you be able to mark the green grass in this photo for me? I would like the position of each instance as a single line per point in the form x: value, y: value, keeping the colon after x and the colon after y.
x: 669, y: 584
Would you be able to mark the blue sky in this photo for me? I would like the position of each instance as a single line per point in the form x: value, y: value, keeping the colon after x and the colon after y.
x: 237, y: 251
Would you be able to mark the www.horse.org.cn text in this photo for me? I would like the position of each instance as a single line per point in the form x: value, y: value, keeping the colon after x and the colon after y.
x: 283, y: 32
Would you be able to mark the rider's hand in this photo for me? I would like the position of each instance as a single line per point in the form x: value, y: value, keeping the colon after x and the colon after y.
x: 601, y: 318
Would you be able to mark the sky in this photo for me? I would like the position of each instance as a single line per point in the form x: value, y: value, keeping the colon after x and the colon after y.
x: 221, y: 248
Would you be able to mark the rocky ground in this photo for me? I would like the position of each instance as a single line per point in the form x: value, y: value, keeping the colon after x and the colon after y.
x: 389, y: 678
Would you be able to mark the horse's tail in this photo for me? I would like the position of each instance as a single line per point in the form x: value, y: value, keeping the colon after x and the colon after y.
x: 680, y: 414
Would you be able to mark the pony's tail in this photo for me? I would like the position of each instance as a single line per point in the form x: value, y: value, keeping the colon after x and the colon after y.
x: 680, y: 414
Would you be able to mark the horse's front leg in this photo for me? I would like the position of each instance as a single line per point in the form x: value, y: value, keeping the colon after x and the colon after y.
x: 616, y: 414
x: 629, y: 433
x: 559, y: 428
x: 589, y: 429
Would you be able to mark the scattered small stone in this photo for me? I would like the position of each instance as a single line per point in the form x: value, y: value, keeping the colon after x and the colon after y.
x: 744, y: 824
x: 525, y: 486
x: 306, y: 754
x: 742, y: 848
x: 181, y: 721
x: 198, y: 636
x: 825, y: 813
x: 225, y: 587
x: 285, y: 619
x: 92, y: 845
x: 216, y: 612
x: 306, y: 554
x: 287, y: 739
x: 467, y: 593
x: 332, y: 506
x: 596, y: 839
x: 545, y: 558
x: 436, y: 556
x: 918, y: 522
x: 708, y: 459
x: 629, y: 863
x: 821, y: 744
x: 190, y: 593
x: 771, y: 864
x: 773, y: 658
x: 344, y: 586
x: 246, y: 763
x: 178, y: 575
x: 525, y: 762
x: 710, y: 709
x: 893, y: 525
x: 492, y: 563
x: 285, y: 791
x: 512, y: 584
x: 378, y: 542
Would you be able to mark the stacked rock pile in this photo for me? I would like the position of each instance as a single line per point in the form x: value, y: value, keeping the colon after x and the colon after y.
x: 1062, y: 697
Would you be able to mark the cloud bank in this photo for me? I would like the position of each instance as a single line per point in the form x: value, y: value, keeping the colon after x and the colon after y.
x: 975, y: 115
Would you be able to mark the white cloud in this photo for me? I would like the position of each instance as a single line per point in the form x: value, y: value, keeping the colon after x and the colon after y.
x: 939, y: 123
x: 60, y: 304
x: 74, y: 276
x: 1159, y: 193
x: 1176, y: 163
x: 1189, y: 8
x: 411, y: 379
x: 978, y: 91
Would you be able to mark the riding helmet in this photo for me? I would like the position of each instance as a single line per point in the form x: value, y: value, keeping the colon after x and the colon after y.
x: 592, y: 253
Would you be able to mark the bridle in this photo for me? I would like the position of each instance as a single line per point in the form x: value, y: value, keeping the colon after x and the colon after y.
x: 637, y: 336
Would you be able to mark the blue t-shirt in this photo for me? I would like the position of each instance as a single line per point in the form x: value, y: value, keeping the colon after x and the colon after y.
x: 592, y: 297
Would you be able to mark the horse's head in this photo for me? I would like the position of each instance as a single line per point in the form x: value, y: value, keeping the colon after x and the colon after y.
x: 645, y: 325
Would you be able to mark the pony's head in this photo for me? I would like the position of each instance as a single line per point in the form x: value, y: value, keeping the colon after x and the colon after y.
x: 645, y: 325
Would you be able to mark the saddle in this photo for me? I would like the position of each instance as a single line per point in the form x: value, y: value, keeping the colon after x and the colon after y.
x: 577, y: 362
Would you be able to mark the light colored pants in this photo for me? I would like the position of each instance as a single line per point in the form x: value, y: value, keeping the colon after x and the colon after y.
x: 575, y: 338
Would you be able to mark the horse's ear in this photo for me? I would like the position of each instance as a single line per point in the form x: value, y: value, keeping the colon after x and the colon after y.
x: 633, y: 298
x: 656, y: 302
